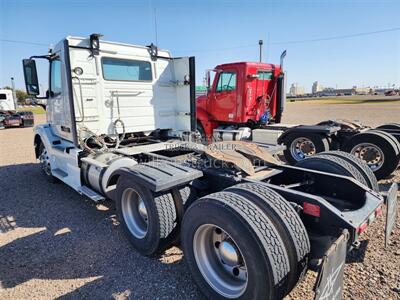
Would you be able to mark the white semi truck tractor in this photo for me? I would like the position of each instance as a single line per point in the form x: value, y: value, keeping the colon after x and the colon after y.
x: 9, y: 116
x: 121, y: 125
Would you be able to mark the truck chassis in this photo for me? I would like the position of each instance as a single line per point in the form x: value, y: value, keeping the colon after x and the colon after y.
x: 236, y: 210
x: 378, y: 147
x: 249, y: 226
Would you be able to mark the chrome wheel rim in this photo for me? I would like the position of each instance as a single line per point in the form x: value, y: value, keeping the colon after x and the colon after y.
x: 369, y: 153
x: 220, y: 261
x: 45, y: 162
x: 301, y: 148
x: 134, y: 212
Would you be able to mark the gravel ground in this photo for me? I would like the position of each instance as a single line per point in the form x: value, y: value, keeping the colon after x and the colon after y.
x: 55, y: 243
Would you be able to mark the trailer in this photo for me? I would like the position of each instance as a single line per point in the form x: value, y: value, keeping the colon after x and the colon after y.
x: 9, y: 117
x: 246, y: 101
x: 122, y: 125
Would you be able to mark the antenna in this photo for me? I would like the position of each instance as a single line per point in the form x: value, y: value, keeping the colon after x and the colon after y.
x: 155, y: 25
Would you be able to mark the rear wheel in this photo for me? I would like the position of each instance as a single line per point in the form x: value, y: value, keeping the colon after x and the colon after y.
x: 232, y: 249
x: 391, y: 128
x: 390, y: 137
x: 302, y: 145
x: 332, y: 164
x: 147, y: 218
x: 377, y: 149
x: 286, y: 221
x: 361, y: 166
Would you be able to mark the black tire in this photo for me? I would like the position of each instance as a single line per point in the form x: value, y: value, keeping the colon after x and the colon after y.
x: 391, y: 128
x: 361, y: 166
x: 286, y: 221
x: 202, y: 133
x: 383, y: 143
x: 45, y: 164
x: 332, y: 164
x: 389, y: 136
x: 189, y: 195
x: 395, y: 126
x: 320, y: 142
x: 253, y: 234
x: 161, y: 216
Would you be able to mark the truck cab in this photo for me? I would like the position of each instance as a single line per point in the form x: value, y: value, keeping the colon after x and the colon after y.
x: 107, y: 94
x: 241, y: 94
x: 6, y: 100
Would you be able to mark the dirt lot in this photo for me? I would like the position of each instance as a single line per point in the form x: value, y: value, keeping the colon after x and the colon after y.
x: 55, y: 243
x: 372, y: 112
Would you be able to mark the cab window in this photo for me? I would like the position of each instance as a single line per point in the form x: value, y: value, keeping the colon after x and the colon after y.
x: 226, y: 82
x: 126, y: 69
x: 264, y: 75
x: 55, y: 78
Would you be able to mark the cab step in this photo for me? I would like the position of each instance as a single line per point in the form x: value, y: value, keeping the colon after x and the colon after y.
x: 84, y: 190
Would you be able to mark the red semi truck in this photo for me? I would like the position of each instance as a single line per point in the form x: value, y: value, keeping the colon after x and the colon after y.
x: 245, y: 101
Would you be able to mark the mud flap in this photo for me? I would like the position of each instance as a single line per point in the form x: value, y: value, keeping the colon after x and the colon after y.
x: 329, y: 285
x: 391, y: 213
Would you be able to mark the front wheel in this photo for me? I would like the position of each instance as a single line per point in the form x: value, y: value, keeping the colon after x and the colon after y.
x: 45, y: 164
x: 201, y: 132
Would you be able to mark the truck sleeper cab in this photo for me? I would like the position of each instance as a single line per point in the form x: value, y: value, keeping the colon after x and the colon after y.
x: 122, y: 125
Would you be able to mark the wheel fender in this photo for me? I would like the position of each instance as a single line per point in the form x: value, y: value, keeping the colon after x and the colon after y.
x: 157, y: 176
x: 301, y: 129
x: 43, y: 134
x: 204, y: 119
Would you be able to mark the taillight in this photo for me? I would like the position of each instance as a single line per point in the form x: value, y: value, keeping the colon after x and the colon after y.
x: 378, y: 211
x: 311, y: 209
x: 362, y: 228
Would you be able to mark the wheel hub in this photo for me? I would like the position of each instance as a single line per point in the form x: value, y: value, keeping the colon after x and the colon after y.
x: 45, y: 161
x: 301, y: 148
x: 142, y: 210
x: 369, y: 153
x: 220, y: 261
x: 134, y: 212
x: 228, y: 253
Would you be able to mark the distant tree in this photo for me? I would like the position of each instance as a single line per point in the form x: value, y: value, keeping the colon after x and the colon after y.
x: 21, y: 96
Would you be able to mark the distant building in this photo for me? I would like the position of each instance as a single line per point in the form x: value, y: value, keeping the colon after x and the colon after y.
x: 316, y: 87
x: 345, y: 92
x: 296, y: 90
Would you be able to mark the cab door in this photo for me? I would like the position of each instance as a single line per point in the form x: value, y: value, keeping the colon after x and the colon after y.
x: 58, y: 106
x: 223, y: 100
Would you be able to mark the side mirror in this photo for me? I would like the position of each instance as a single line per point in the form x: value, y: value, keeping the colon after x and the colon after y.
x: 207, y: 79
x: 31, y: 78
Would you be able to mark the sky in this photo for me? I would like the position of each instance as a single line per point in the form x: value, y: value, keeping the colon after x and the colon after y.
x: 218, y: 32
